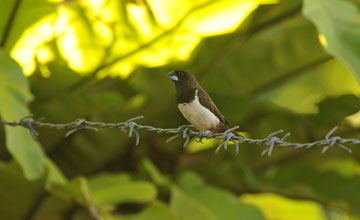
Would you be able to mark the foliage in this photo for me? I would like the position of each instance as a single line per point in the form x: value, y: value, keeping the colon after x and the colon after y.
x: 14, y: 96
x: 288, y: 65
x: 339, y: 36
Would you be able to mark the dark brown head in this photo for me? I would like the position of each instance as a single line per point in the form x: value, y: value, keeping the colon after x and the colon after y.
x: 183, y: 79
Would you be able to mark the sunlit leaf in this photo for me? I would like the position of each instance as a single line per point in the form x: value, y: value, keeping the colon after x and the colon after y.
x: 278, y: 207
x: 221, y: 17
x: 31, y: 42
x: 328, y: 79
x: 128, y: 35
x: 195, y: 146
x: 346, y: 167
x: 81, y: 42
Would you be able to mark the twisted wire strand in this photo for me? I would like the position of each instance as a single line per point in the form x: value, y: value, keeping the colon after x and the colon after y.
x: 186, y: 132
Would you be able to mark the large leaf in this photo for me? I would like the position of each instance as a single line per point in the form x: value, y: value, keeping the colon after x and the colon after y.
x: 279, y: 207
x: 151, y: 34
x: 339, y: 28
x: 113, y: 189
x: 52, y: 207
x: 205, y: 18
x: 196, y: 200
x: 14, y: 97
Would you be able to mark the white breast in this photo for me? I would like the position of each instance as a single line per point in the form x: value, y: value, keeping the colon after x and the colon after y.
x: 199, y: 116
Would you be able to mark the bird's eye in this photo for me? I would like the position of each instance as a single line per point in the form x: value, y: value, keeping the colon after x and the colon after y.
x: 179, y: 73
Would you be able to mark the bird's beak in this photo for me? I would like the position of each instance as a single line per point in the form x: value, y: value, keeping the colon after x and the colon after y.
x: 172, y: 76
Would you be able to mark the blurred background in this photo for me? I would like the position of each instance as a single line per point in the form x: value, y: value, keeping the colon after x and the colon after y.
x: 267, y: 64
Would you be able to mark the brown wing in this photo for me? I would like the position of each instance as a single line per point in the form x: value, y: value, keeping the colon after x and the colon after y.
x: 206, y: 101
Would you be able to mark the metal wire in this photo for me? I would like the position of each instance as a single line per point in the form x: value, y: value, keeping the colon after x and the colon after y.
x: 186, y: 132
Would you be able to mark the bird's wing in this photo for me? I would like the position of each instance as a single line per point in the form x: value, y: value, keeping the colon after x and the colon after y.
x: 206, y: 101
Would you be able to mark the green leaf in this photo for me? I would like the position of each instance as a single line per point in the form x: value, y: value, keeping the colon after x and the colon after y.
x: 196, y: 200
x: 55, y: 178
x: 278, y: 207
x: 52, y: 207
x: 188, y: 208
x: 156, y: 176
x: 14, y: 96
x: 339, y: 29
x: 117, y: 188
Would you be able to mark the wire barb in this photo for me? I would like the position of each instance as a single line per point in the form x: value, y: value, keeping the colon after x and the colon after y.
x: 186, y: 132
x: 201, y: 135
x: 78, y: 125
x: 130, y: 126
x: 333, y: 141
x: 27, y: 122
x: 228, y: 136
x: 272, y: 141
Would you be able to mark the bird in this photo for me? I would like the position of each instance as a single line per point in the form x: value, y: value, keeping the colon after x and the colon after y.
x: 196, y: 105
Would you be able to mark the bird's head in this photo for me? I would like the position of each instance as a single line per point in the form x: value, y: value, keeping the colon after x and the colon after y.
x: 183, y: 78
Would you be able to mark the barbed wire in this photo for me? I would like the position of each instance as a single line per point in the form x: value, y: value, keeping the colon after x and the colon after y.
x: 186, y: 132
